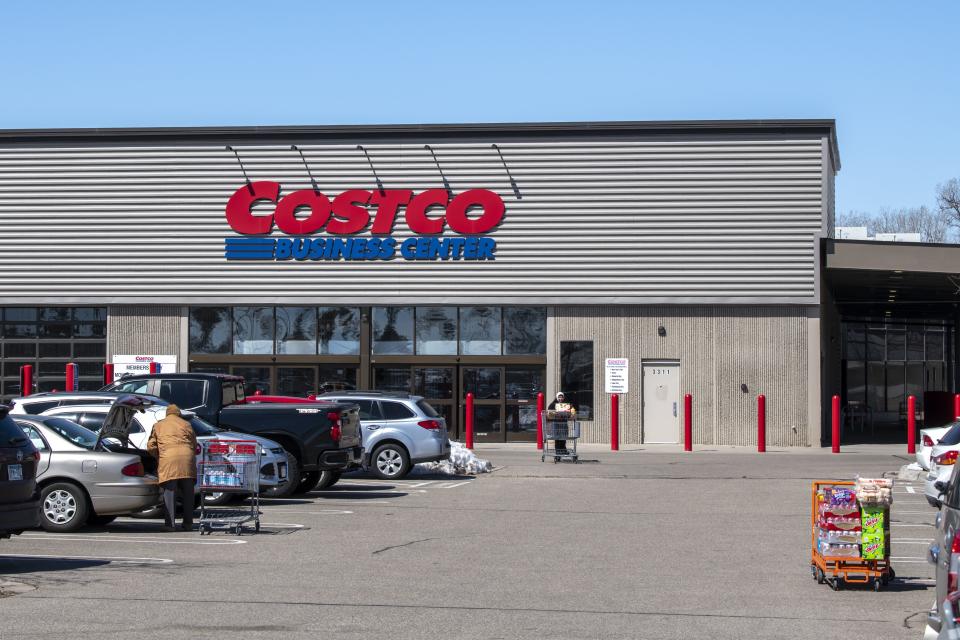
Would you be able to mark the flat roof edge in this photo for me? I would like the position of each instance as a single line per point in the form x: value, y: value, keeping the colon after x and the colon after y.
x: 611, y: 127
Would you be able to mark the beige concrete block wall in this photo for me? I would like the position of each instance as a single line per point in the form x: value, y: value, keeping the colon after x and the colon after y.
x: 146, y: 330
x: 719, y: 348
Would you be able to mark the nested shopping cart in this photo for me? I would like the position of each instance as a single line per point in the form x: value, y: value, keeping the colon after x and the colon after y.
x: 229, y: 466
x: 559, y: 425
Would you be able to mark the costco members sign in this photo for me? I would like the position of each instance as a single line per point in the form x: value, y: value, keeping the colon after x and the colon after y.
x: 302, y: 214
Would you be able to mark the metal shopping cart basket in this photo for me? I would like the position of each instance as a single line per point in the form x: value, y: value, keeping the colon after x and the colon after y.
x: 229, y: 466
x: 560, y: 425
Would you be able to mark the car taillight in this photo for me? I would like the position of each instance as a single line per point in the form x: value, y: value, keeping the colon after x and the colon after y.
x: 952, y: 575
x: 36, y: 456
x: 950, y: 607
x: 134, y: 469
x: 927, y: 441
x: 335, y: 431
x: 947, y: 459
x: 433, y: 425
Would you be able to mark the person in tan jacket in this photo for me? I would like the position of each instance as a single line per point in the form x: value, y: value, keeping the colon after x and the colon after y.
x: 174, y: 444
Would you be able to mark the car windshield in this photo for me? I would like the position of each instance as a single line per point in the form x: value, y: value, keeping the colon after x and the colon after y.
x: 73, y: 432
x: 951, y: 437
x: 202, y: 428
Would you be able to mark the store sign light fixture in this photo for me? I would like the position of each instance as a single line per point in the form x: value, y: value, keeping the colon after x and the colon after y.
x: 428, y: 214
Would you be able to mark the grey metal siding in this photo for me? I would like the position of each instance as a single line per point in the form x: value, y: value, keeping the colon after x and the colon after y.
x: 647, y: 219
x: 146, y: 330
x: 719, y: 348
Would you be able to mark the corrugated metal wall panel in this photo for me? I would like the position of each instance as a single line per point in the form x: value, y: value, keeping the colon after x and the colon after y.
x: 646, y: 219
x: 719, y: 348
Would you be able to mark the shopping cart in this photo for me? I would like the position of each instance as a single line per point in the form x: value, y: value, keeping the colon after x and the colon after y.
x: 560, y: 425
x: 229, y: 466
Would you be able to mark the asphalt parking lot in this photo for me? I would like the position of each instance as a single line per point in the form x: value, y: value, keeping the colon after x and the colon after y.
x: 637, y: 544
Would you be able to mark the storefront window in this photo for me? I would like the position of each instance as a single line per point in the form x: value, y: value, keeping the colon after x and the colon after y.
x: 297, y: 330
x: 915, y: 342
x: 395, y: 379
x: 255, y: 379
x: 253, y: 330
x: 436, y: 331
x: 576, y: 375
x: 210, y: 330
x: 434, y: 382
x: 336, y: 378
x: 339, y: 330
x: 480, y: 331
x: 392, y: 330
x: 524, y: 384
x: 934, y: 341
x: 524, y: 331
x: 296, y: 381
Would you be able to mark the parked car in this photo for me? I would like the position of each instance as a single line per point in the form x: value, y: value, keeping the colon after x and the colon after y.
x: 399, y: 430
x: 944, y: 554
x: 943, y: 459
x: 929, y: 438
x: 19, y: 501
x: 318, y: 437
x: 273, y: 463
x: 82, y: 483
x: 39, y: 402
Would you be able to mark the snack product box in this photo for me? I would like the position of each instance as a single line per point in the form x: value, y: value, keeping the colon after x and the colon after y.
x: 873, y: 520
x: 873, y: 546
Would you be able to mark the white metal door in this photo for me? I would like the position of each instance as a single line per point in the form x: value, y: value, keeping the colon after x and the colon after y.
x: 661, y: 402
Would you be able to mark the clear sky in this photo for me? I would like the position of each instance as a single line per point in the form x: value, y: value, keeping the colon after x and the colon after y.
x: 886, y: 71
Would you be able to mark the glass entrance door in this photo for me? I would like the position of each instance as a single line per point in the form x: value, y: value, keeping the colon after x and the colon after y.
x: 486, y: 385
x: 522, y: 386
x: 436, y: 385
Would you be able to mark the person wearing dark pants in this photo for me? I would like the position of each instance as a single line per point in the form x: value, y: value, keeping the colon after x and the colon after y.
x: 174, y: 444
x: 561, y: 404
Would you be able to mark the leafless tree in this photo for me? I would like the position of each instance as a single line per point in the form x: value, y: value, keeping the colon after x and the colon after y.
x: 948, y: 199
x: 933, y: 226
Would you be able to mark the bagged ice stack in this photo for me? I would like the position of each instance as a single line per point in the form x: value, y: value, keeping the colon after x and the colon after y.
x: 462, y: 462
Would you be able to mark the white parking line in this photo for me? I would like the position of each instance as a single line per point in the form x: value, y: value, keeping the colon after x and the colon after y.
x: 283, y: 525
x: 910, y: 489
x: 110, y: 559
x: 322, y: 512
x: 904, y: 524
x: 94, y: 537
x: 458, y: 484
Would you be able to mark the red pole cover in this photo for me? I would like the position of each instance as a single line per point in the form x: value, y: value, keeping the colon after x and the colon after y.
x: 835, y: 422
x: 107, y: 373
x: 614, y: 422
x: 911, y: 424
x: 154, y: 367
x: 469, y: 426
x: 540, y: 420
x: 71, y: 377
x: 26, y: 379
x: 956, y: 406
x: 688, y: 422
x: 761, y: 423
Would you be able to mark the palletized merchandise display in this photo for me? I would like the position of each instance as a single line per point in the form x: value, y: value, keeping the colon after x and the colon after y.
x: 560, y: 425
x: 850, y: 532
x: 229, y: 466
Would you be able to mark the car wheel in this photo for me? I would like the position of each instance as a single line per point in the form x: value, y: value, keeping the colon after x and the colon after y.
x: 308, y: 480
x: 293, y: 480
x: 100, y: 521
x: 328, y: 478
x: 390, y: 462
x: 63, y: 507
x: 218, y: 499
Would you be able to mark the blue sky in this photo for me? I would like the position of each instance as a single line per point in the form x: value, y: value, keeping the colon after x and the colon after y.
x: 886, y: 71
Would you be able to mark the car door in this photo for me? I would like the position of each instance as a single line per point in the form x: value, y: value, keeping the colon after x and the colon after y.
x: 40, y: 443
x: 371, y: 420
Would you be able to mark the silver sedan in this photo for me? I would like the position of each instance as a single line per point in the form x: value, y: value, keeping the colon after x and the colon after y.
x: 81, y: 482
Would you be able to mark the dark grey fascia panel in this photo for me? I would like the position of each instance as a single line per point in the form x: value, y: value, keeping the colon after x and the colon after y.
x: 397, y: 132
x: 892, y: 256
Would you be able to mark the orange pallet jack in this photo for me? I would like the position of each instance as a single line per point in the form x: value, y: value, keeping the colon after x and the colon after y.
x: 836, y: 571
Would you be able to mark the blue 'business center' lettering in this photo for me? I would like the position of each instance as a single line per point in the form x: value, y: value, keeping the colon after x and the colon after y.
x: 350, y: 249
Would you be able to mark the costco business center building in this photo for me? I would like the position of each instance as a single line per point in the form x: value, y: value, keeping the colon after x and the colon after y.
x: 501, y: 259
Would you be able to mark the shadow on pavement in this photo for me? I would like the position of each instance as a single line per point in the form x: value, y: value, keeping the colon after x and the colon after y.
x: 37, y: 564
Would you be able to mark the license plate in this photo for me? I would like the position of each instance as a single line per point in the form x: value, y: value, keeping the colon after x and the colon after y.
x: 14, y: 472
x: 282, y: 471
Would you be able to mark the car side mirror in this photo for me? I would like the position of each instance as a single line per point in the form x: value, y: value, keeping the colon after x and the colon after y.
x: 941, y: 486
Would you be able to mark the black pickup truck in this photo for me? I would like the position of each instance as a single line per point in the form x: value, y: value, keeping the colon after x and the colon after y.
x: 322, y: 439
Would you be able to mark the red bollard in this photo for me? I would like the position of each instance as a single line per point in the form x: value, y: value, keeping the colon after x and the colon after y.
x: 154, y: 367
x: 761, y: 423
x: 72, y: 381
x: 614, y: 422
x: 835, y: 431
x: 956, y: 407
x: 26, y: 379
x: 540, y: 421
x: 107, y: 373
x: 911, y: 424
x: 469, y: 421
x: 688, y: 422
